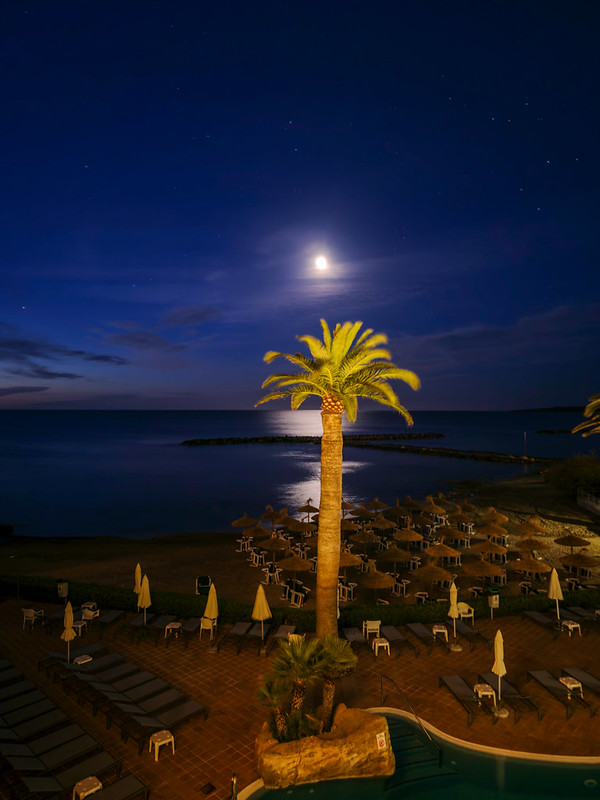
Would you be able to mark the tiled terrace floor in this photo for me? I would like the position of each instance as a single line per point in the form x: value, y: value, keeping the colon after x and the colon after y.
x: 208, y: 752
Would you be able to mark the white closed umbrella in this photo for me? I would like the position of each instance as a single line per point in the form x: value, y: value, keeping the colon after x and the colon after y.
x: 554, y: 591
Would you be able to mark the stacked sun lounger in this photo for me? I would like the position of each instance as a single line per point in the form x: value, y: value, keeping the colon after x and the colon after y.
x: 43, y: 752
x: 135, y: 701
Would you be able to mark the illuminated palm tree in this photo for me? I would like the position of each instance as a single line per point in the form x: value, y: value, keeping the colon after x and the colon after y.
x: 339, y: 370
x: 592, y: 415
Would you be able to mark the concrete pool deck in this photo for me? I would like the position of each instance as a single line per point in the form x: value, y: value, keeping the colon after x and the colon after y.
x: 209, y: 751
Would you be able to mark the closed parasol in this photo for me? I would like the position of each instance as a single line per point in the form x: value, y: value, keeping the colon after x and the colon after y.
x: 499, y: 669
x: 554, y: 591
x: 261, y: 610
x: 212, y: 606
x: 137, y: 579
x: 453, y: 613
x: 144, y: 599
x: 69, y: 633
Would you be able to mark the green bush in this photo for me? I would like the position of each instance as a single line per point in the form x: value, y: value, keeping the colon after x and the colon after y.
x: 570, y: 474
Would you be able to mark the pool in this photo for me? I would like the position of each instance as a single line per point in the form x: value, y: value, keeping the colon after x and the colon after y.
x: 464, y: 772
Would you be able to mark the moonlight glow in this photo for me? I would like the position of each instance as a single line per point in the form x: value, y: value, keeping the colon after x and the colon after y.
x: 321, y: 262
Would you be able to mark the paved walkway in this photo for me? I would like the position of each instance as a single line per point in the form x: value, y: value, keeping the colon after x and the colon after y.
x: 209, y: 751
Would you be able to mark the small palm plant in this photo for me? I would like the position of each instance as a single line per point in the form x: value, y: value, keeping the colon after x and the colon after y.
x: 336, y: 660
x: 295, y: 663
x: 273, y: 693
x: 592, y: 418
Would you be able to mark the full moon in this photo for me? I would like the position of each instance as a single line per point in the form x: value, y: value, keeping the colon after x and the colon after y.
x: 321, y: 262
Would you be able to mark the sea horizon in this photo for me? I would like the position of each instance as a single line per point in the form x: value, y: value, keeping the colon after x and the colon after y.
x: 125, y: 473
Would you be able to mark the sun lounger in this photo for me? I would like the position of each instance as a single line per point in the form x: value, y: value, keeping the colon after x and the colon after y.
x: 466, y: 697
x: 259, y: 632
x: 130, y: 681
x: 146, y: 689
x: 55, y: 739
x: 97, y: 764
x: 237, y: 632
x: 394, y: 636
x: 281, y: 634
x: 10, y: 674
x: 570, y: 700
x: 124, y: 789
x: 117, y: 672
x: 160, y: 702
x: 189, y: 628
x: 355, y: 636
x: 423, y: 633
x: 470, y: 634
x: 584, y: 613
x: 108, y: 617
x: 141, y: 728
x: 68, y: 752
x: 513, y: 698
x: 20, y: 715
x: 587, y: 680
x: 157, y: 627
x: 14, y: 689
x: 543, y: 620
x: 21, y: 700
x: 36, y: 726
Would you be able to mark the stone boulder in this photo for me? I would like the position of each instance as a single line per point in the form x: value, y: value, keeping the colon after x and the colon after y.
x: 357, y: 746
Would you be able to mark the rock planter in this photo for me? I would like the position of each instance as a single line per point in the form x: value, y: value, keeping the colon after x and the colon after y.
x: 357, y: 746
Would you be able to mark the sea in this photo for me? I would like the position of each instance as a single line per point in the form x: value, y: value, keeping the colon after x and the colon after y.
x: 126, y: 473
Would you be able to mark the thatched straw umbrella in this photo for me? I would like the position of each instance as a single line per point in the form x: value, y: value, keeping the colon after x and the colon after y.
x: 487, y: 547
x: 530, y: 566
x: 493, y: 530
x: 491, y: 515
x: 346, y: 506
x: 571, y: 540
x: 274, y: 545
x: 413, y: 505
x: 444, y: 501
x: 258, y: 532
x: 294, y: 564
x: 244, y: 522
x: 431, y: 573
x: 365, y: 538
x: 360, y: 512
x: 530, y: 527
x: 270, y: 514
x: 307, y: 509
x: 376, y: 504
x: 348, y: 559
x: 460, y: 518
x: 529, y: 544
x: 408, y: 535
x: 482, y: 569
x: 432, y: 508
x: 441, y: 551
x: 377, y: 580
x: 580, y: 560
x: 394, y: 554
x: 382, y: 524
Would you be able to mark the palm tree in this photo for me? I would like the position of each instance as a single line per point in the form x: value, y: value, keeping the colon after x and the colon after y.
x: 592, y: 415
x: 339, y: 370
x: 273, y: 693
x: 336, y: 660
x: 295, y: 663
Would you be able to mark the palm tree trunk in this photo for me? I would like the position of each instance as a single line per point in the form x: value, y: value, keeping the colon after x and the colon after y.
x: 328, y: 697
x: 329, y: 538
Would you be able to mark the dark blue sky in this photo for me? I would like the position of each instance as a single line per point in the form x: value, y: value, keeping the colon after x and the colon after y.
x: 172, y: 169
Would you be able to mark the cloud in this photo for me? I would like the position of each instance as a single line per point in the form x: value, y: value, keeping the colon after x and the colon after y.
x: 561, y: 334
x: 20, y: 356
x: 188, y: 315
x: 143, y: 340
x: 7, y: 390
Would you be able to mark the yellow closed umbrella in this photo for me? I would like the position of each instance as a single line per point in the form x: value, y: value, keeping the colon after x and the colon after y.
x: 499, y: 669
x: 261, y: 610
x: 144, y: 599
x: 212, y: 606
x: 453, y: 614
x: 69, y: 633
x: 554, y: 591
x: 137, y: 585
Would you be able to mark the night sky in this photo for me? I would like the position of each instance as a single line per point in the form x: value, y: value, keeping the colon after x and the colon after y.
x: 171, y: 170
